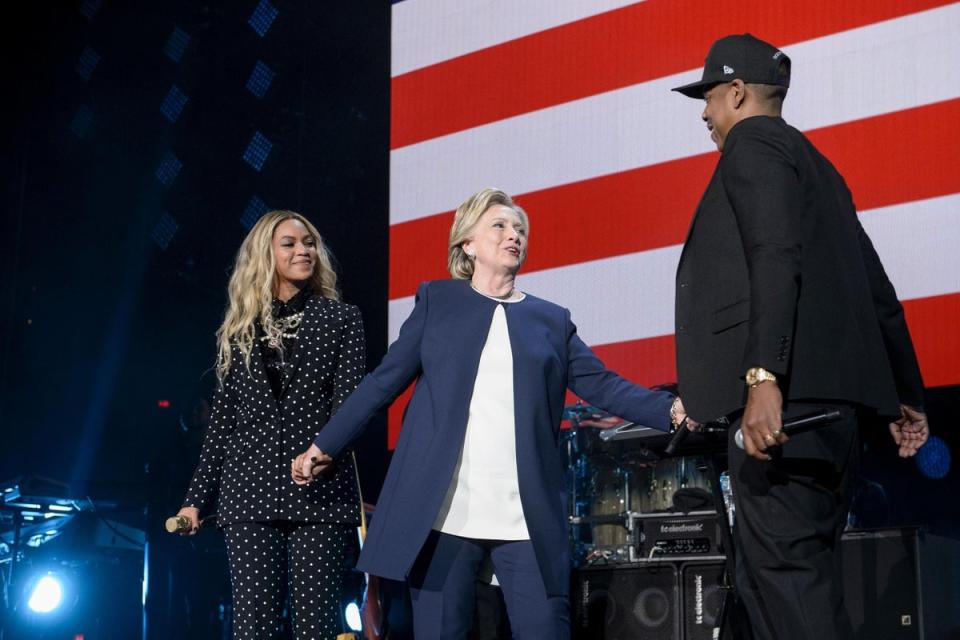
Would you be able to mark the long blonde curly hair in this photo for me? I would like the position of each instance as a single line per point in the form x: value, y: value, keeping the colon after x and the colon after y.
x: 253, y: 284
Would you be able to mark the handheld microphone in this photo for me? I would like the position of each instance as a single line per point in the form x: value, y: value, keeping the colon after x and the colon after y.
x: 177, y: 524
x: 678, y: 437
x: 799, y: 424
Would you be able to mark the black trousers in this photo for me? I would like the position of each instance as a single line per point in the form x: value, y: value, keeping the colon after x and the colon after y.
x: 790, y: 513
x: 271, y: 560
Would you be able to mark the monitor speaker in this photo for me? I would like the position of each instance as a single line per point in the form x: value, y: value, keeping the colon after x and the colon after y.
x: 627, y: 603
x: 703, y: 594
x: 900, y: 584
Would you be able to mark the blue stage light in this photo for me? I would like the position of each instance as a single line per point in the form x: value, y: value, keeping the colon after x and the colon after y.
x: 164, y: 231
x: 89, y: 8
x: 88, y: 62
x: 257, y: 151
x: 255, y: 208
x: 352, y: 615
x: 260, y: 79
x: 176, y: 44
x: 47, y: 594
x: 82, y: 119
x: 933, y: 459
x: 168, y: 169
x: 173, y: 104
x: 262, y: 17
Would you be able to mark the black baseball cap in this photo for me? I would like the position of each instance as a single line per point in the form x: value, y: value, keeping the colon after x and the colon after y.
x: 740, y: 57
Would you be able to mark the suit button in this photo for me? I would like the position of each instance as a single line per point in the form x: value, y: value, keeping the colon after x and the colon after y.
x: 683, y: 285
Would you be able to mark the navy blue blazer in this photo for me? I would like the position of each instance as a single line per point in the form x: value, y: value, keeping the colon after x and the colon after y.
x: 440, y: 345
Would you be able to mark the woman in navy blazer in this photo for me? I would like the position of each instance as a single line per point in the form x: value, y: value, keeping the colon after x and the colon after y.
x: 441, y: 346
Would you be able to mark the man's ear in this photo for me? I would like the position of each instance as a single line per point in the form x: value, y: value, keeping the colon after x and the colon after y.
x: 738, y: 93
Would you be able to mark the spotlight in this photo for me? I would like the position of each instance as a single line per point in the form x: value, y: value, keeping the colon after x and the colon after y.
x: 258, y: 150
x: 933, y: 459
x: 352, y: 615
x: 263, y: 16
x: 168, y: 169
x: 47, y: 594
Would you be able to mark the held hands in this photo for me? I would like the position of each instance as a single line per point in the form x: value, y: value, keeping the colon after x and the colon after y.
x: 910, y: 432
x: 309, y: 464
x: 193, y: 515
x: 678, y: 416
x: 762, y: 423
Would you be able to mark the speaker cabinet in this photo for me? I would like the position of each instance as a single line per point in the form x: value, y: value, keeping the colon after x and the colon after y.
x: 627, y: 602
x: 702, y: 596
x: 901, y: 584
x: 649, y: 601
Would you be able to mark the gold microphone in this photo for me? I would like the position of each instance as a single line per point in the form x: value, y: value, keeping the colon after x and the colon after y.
x: 178, y: 524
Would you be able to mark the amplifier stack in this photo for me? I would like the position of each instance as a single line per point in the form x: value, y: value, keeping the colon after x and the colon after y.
x: 655, y: 600
x: 646, y: 536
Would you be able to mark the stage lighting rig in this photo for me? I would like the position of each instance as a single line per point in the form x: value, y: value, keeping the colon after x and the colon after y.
x: 262, y: 17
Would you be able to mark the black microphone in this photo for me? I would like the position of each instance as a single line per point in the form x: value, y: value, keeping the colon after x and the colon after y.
x: 799, y: 424
x: 678, y: 437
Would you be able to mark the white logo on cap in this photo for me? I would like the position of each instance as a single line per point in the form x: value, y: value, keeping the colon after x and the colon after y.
x: 777, y: 54
x: 727, y: 70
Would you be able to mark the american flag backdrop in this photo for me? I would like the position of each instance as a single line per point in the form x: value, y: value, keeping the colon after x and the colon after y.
x: 566, y: 105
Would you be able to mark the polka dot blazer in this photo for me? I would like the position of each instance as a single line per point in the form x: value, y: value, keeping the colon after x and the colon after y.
x: 244, y: 467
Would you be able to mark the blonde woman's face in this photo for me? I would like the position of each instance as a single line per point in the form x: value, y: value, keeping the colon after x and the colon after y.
x: 294, y: 251
x: 498, y: 242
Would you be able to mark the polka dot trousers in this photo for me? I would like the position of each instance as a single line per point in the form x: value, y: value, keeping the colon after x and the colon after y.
x: 269, y: 560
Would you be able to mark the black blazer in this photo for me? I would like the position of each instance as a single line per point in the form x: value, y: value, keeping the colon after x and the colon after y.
x: 252, y: 437
x: 777, y: 273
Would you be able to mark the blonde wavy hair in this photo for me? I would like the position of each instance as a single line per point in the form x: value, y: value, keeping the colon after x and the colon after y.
x: 458, y: 263
x: 252, y: 288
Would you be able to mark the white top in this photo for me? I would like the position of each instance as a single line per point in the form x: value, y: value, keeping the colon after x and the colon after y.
x: 483, y: 500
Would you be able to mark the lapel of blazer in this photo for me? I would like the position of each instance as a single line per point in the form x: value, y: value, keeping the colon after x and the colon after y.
x: 312, y: 313
x: 696, y: 214
x: 259, y: 374
x: 468, y: 324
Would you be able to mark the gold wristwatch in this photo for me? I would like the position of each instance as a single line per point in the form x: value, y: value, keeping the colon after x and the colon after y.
x: 756, y: 375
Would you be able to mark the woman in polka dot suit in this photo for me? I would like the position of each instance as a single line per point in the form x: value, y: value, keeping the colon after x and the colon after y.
x: 289, y: 354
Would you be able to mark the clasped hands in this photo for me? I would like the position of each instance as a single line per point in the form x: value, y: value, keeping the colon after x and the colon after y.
x: 309, y: 464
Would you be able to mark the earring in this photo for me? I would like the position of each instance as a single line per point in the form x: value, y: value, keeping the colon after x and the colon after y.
x: 470, y: 255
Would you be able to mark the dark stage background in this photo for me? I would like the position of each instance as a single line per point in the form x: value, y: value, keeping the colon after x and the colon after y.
x: 130, y: 176
x: 115, y: 258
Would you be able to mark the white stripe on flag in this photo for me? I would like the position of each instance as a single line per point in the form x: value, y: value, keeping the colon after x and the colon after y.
x: 834, y: 81
x: 425, y: 32
x: 631, y: 297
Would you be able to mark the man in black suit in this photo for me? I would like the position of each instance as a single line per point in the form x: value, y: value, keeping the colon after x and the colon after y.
x: 783, y: 309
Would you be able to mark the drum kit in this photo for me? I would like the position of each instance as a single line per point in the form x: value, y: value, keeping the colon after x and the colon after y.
x: 617, y: 475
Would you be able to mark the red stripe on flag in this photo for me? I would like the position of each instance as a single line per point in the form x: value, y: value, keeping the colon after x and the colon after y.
x: 933, y: 325
x: 890, y: 159
x: 608, y: 51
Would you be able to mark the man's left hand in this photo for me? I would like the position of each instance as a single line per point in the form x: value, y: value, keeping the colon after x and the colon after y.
x: 910, y: 432
x: 762, y: 423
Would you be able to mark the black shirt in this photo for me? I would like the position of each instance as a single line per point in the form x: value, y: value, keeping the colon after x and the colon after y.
x: 278, y: 362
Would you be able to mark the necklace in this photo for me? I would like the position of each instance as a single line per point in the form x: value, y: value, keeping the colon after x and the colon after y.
x: 288, y: 329
x: 503, y: 297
